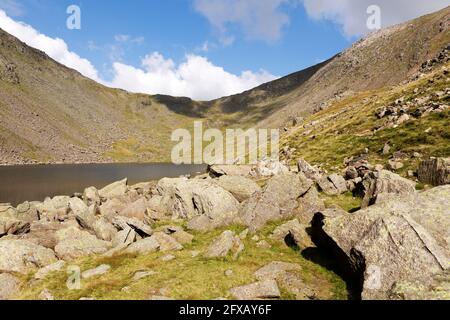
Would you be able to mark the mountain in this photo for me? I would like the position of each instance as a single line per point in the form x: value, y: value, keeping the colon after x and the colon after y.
x: 50, y: 113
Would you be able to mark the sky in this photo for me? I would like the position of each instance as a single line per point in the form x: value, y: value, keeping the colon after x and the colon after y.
x: 203, y: 49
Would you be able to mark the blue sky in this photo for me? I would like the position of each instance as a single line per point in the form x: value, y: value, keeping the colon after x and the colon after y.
x: 141, y: 45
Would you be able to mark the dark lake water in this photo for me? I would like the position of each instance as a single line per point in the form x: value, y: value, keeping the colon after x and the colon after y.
x: 34, y: 183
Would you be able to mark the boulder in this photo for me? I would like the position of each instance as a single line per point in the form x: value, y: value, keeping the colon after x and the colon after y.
x: 12, y: 226
x: 103, y: 229
x: 435, y: 171
x: 166, y: 242
x: 267, y: 289
x: 124, y: 238
x: 23, y: 256
x: 136, y: 209
x: 9, y: 286
x: 383, y: 182
x: 292, y: 233
x: 182, y: 237
x: 269, y: 168
x: 436, y: 288
x: 274, y: 269
x: 192, y: 198
x: 241, y: 188
x: 55, y: 209
x: 332, y: 185
x: 114, y: 190
x: 91, y: 196
x: 95, y: 272
x: 27, y: 212
x: 229, y: 170
x: 74, y: 243
x: 44, y: 233
x: 54, y: 267
x: 276, y: 201
x: 144, y: 246
x: 225, y: 244
x: 112, y: 207
x: 308, y: 204
x: 82, y: 214
x: 404, y: 238
x: 308, y: 170
x: 142, y: 229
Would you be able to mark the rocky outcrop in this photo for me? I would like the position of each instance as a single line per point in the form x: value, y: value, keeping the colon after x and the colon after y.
x: 435, y: 171
x: 277, y: 200
x: 23, y: 256
x: 404, y: 238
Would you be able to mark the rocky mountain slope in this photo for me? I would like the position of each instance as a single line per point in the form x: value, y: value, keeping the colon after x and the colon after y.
x: 50, y: 113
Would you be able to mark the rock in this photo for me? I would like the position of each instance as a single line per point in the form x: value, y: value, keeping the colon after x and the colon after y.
x: 436, y: 288
x: 74, y: 243
x: 91, y: 196
x: 182, y: 237
x: 144, y: 188
x: 23, y: 256
x: 124, y: 238
x: 143, y: 274
x: 104, y: 230
x: 112, y: 207
x: 9, y: 286
x: 243, y: 235
x: 267, y: 289
x: 276, y: 201
x: 395, y: 165
x: 27, y: 212
x: 229, y: 273
x: 229, y: 170
x: 141, y: 228
x: 192, y: 199
x: 55, y: 209
x: 240, y: 187
x: 272, y: 270
x: 160, y: 298
x: 435, y: 171
x: 114, y: 190
x: 333, y: 185
x: 143, y: 246
x: 80, y: 210
x: 168, y: 258
x: 308, y: 170
x: 100, y: 270
x: 135, y: 210
x: 351, y: 173
x: 263, y: 244
x: 269, y: 168
x: 44, y: 233
x: 308, y: 205
x: 12, y: 226
x: 386, y: 149
x: 383, y: 182
x: 166, y: 242
x: 225, y: 244
x: 155, y: 210
x: 404, y: 238
x: 292, y: 233
x: 43, y: 272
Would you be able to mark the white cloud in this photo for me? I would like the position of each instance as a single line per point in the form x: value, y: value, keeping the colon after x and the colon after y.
x: 352, y: 14
x: 196, y: 77
x: 260, y: 19
x: 56, y: 48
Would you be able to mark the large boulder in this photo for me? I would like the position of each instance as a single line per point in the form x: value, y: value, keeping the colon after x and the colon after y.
x: 276, y: 201
x: 332, y: 185
x: 383, y: 182
x: 227, y: 243
x: 91, y: 196
x: 189, y: 199
x: 123, y: 223
x: 12, y: 226
x: 116, y: 189
x: 74, y: 243
x: 269, y: 168
x: 27, y: 212
x: 44, y: 233
x: 54, y: 209
x: 267, y: 289
x: 241, y: 188
x: 9, y: 286
x: 403, y: 238
x: 292, y: 233
x: 308, y: 170
x: 136, y: 209
x: 159, y: 241
x: 23, y: 256
x: 435, y: 171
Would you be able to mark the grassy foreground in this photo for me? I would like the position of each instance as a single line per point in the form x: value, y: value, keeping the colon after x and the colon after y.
x: 188, y: 277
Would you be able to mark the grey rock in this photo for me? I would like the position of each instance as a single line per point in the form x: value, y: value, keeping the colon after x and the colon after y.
x: 43, y: 272
x: 116, y: 189
x: 435, y: 171
x: 136, y: 209
x: 104, y: 230
x: 137, y: 225
x: 267, y: 289
x: 293, y: 233
x: 273, y: 270
x: 230, y: 170
x: 91, y: 196
x: 9, y: 286
x: 227, y: 243
x: 308, y: 170
x: 124, y: 238
x: 100, y: 270
x: 241, y: 188
x: 332, y: 185
x: 144, y: 246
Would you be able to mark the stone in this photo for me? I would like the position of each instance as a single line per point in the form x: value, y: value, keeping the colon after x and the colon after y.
x: 143, y: 246
x: 91, y: 196
x: 81, y: 212
x: 45, y: 271
x: 166, y: 242
x: 183, y: 237
x: 292, y: 233
x: 229, y: 273
x: 27, y: 212
x: 23, y: 256
x: 267, y: 289
x: 436, y: 287
x: 9, y: 286
x: 137, y: 225
x: 74, y: 243
x: 187, y: 199
x: 112, y: 207
x: 143, y: 274
x: 46, y: 295
x: 55, y: 209
x: 12, y: 226
x: 404, y: 238
x: 351, y: 173
x: 168, y: 257
x: 263, y: 244
x: 269, y: 168
x: 395, y: 165
x: 100, y: 270
x: 124, y: 238
x: 227, y: 243
x: 435, y: 171
x: 383, y: 182
x: 308, y: 170
x: 136, y: 209
x: 229, y: 170
x: 44, y: 233
x: 114, y: 190
x: 308, y: 204
x: 386, y: 149
x: 104, y: 230
x: 241, y: 188
x: 333, y: 185
x: 276, y: 201
x: 274, y: 269
x: 244, y: 234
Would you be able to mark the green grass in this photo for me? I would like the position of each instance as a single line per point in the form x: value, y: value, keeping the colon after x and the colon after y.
x: 187, y: 277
